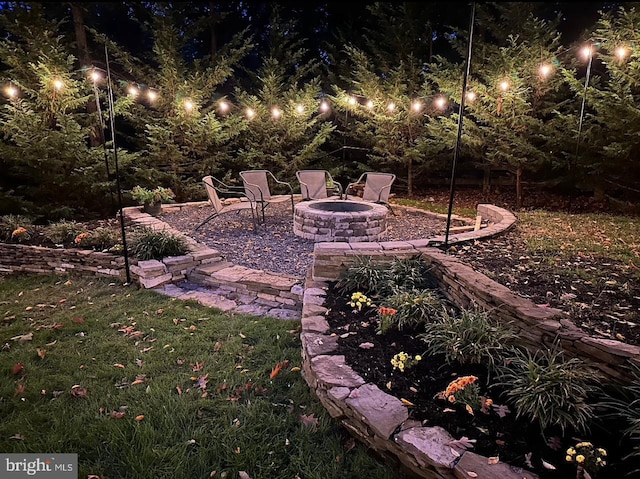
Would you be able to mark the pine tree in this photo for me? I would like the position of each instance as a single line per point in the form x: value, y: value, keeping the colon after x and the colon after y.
x: 48, y: 166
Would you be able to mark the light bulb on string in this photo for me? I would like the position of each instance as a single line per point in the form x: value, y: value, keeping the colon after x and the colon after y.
x: 471, y: 96
x: 369, y: 104
x: 622, y: 52
x: 188, y: 105
x: 250, y: 112
x: 586, y: 52
x: 276, y: 113
x: 544, y: 70
x: 324, y: 106
x: 416, y: 106
x: 152, y: 95
x: 441, y: 103
x: 352, y: 100
x: 11, y: 91
x: 95, y: 76
x: 504, y: 85
x: 58, y: 84
x: 223, y: 106
x: 391, y: 106
x: 132, y: 91
x: 300, y: 109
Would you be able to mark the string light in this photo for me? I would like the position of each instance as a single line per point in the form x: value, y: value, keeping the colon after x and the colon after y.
x: 471, y: 96
x: 441, y: 103
x: 188, y: 105
x: 352, y: 100
x: 391, y: 106
x: 223, y: 106
x: 416, y: 106
x: 152, y: 95
x: 370, y: 104
x: 132, y: 91
x: 586, y: 52
x: 57, y: 84
x: 324, y: 107
x: 250, y: 112
x: 11, y: 91
x: 504, y: 85
x: 95, y: 76
x: 276, y: 112
x: 300, y: 109
x: 545, y: 70
x: 621, y: 52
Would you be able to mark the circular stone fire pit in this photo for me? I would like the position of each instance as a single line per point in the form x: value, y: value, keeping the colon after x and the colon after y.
x: 337, y: 220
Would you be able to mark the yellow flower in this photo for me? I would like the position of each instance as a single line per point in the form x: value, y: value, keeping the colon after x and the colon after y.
x: 579, y: 458
x: 569, y: 458
x: 418, y: 357
x: 602, y: 452
x: 571, y: 451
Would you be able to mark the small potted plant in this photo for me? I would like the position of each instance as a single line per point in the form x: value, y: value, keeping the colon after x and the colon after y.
x: 151, y: 200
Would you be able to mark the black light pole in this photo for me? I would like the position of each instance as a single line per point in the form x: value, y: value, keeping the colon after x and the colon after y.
x: 102, y: 129
x: 460, y: 117
x: 115, y: 157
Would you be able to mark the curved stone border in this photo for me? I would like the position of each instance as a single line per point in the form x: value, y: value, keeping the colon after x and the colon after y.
x: 376, y: 418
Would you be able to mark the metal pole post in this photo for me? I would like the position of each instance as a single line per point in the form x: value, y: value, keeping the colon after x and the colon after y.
x: 115, y: 157
x: 460, y: 117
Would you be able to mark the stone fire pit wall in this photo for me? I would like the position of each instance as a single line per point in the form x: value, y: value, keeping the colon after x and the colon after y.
x: 343, y: 221
x: 535, y: 325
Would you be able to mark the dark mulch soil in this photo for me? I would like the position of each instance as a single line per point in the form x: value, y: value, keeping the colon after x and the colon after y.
x: 517, y: 442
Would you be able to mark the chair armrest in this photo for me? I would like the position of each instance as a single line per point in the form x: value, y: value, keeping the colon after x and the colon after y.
x: 288, y: 185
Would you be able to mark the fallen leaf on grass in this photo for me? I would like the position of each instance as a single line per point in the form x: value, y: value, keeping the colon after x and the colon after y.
x: 202, y: 381
x: 17, y: 368
x: 117, y: 414
x: 41, y: 353
x: 243, y: 475
x: 23, y: 337
x: 279, y: 367
x: 119, y: 365
x: 140, y: 417
x: 217, y: 346
x: 77, y: 320
x: 179, y: 389
x: 197, y: 366
x: 309, y: 421
x: 19, y: 390
x: 17, y: 437
x: 78, y: 391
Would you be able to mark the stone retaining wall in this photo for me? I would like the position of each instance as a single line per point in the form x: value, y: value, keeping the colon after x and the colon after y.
x: 534, y: 324
x: 19, y: 258
x: 379, y: 420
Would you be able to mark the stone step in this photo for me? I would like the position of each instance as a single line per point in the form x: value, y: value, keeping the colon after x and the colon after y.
x: 210, y: 268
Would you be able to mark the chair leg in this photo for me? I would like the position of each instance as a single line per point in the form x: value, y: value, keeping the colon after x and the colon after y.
x: 390, y: 209
x: 206, y: 221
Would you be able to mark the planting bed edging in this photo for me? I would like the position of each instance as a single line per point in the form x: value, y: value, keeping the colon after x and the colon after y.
x: 376, y: 418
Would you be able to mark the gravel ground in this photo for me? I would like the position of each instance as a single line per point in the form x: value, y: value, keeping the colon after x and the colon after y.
x: 274, y: 247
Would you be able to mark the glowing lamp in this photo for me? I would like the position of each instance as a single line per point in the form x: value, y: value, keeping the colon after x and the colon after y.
x: 188, y: 105
x: 300, y: 109
x: 250, y: 112
x: 621, y: 52
x: 95, y: 75
x: 504, y: 85
x: 324, y: 107
x: 276, y: 113
x: 441, y: 103
x: 223, y: 106
x: 391, y: 106
x: 57, y: 84
x: 416, y: 106
x: 545, y: 70
x: 370, y: 104
x: 352, y: 100
x: 152, y: 95
x: 586, y: 52
x: 471, y: 96
x: 11, y: 91
x: 133, y: 91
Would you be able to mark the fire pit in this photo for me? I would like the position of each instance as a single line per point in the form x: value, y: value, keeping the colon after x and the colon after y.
x: 337, y: 220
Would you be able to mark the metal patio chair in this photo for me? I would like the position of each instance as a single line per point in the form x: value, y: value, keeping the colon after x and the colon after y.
x: 318, y: 185
x: 214, y: 188
x: 258, y: 184
x: 377, y: 187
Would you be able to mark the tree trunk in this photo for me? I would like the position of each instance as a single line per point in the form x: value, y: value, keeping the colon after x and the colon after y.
x: 410, y: 178
x: 96, y: 134
x: 519, y: 187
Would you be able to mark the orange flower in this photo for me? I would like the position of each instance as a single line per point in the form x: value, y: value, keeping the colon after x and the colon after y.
x: 18, y: 232
x: 386, y: 311
x: 80, y: 237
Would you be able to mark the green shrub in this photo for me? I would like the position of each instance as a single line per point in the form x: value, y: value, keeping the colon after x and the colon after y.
x: 364, y: 276
x: 468, y: 337
x: 157, y: 195
x: 62, y: 232
x: 413, y: 308
x: 548, y: 388
x: 9, y: 224
x: 150, y: 244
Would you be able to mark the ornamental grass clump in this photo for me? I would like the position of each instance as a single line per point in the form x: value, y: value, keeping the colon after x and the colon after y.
x: 150, y: 244
x: 63, y: 232
x: 468, y: 337
x: 101, y: 239
x: 548, y: 388
x: 413, y: 309
x: 364, y: 276
x: 409, y: 273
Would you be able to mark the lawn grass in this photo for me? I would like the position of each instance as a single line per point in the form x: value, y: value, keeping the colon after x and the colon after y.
x: 91, y: 350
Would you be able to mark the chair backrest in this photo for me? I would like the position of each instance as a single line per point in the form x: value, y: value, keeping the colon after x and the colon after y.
x: 313, y: 184
x: 256, y: 184
x: 212, y: 193
x: 377, y: 187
